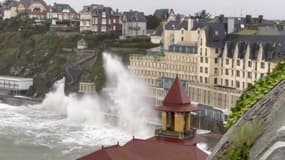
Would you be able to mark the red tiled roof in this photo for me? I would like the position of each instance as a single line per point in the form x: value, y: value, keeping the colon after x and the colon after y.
x: 112, y: 153
x: 154, y: 150
x: 177, y: 100
x: 188, y: 141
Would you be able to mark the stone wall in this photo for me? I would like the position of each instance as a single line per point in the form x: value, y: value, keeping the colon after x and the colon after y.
x: 269, y: 108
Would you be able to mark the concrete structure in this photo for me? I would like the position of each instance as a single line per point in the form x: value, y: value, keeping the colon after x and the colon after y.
x: 82, y: 44
x: 175, y: 140
x: 217, y: 65
x: 98, y: 18
x: 15, y: 84
x: 87, y: 88
x: 133, y: 24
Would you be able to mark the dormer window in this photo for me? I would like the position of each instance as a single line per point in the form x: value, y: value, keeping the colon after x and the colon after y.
x: 216, y: 33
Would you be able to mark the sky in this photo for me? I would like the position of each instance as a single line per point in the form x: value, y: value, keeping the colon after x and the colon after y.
x: 271, y: 9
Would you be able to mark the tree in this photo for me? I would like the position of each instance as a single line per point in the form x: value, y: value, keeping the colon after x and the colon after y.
x: 202, y: 14
x: 152, y: 22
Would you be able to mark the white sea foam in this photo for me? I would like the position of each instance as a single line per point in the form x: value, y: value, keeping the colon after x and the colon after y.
x: 72, y: 123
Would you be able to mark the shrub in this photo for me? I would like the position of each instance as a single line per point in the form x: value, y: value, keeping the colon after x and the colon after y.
x: 256, y: 92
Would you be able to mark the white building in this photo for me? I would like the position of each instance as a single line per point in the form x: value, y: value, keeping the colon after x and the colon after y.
x: 133, y: 24
x: 15, y: 83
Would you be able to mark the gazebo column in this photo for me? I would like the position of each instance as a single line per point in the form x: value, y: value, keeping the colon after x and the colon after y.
x: 179, y: 122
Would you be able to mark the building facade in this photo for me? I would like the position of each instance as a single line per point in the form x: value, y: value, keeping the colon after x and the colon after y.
x: 34, y: 9
x: 62, y: 12
x: 219, y: 64
x: 87, y: 88
x: 98, y: 18
x: 133, y: 24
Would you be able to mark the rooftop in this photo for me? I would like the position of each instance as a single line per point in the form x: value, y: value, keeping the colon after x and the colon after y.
x: 177, y: 100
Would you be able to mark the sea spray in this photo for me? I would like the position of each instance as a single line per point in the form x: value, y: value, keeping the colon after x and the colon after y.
x: 127, y: 99
x: 130, y: 96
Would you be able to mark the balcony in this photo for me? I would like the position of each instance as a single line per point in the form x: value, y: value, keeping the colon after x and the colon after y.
x: 173, y: 134
x: 134, y: 28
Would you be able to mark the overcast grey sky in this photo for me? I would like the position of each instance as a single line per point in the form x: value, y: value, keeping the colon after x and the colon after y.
x: 269, y: 8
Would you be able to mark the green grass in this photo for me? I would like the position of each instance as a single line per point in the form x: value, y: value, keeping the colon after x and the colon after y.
x: 247, y: 32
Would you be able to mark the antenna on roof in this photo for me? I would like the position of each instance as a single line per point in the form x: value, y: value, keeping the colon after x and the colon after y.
x: 241, y: 14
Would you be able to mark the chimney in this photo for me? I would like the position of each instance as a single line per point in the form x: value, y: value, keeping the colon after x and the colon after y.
x: 248, y: 18
x: 221, y: 18
x: 260, y: 18
x: 190, y: 23
x: 231, y: 25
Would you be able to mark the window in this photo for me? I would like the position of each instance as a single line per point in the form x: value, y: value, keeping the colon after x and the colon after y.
x: 216, y: 60
x: 201, y: 42
x: 206, y: 80
x: 216, y: 70
x: 227, y: 72
x: 262, y: 65
x: 238, y: 73
x: 201, y: 79
x: 206, y: 52
x: 261, y: 75
x: 182, y: 31
x: 182, y: 39
x: 227, y: 82
x: 249, y: 64
x: 201, y: 59
x: 237, y: 84
x: 206, y: 70
x: 238, y: 62
x: 215, y: 81
x: 227, y: 61
x: 206, y: 60
x: 217, y: 50
x: 201, y: 51
x: 201, y: 69
x: 249, y: 75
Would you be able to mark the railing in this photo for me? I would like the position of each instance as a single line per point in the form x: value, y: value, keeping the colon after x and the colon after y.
x: 173, y: 134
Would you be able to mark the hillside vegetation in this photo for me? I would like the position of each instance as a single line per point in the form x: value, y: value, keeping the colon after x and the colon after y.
x: 30, y: 50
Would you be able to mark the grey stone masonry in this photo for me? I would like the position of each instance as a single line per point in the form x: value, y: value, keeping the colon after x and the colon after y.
x: 272, y: 109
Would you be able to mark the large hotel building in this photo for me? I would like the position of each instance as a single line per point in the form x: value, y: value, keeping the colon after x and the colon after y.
x: 216, y: 59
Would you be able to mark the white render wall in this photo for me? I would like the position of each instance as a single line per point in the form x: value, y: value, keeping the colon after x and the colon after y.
x: 15, y: 83
x: 134, y: 29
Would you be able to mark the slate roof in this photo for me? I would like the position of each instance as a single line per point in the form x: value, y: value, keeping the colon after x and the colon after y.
x: 273, y: 46
x: 215, y: 35
x: 27, y: 3
x: 176, y: 100
x: 58, y: 7
x: 133, y: 16
x: 12, y: 4
x: 162, y: 14
x: 108, y: 10
x: 177, y: 25
x: 97, y: 9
